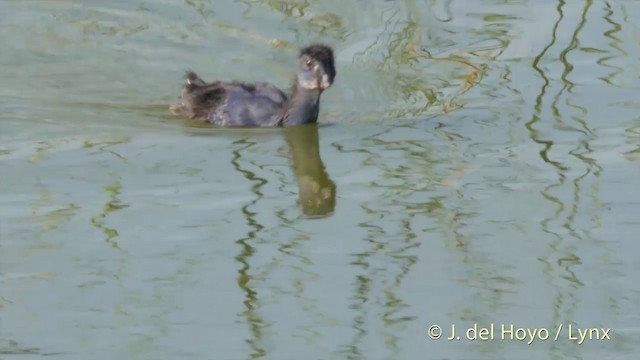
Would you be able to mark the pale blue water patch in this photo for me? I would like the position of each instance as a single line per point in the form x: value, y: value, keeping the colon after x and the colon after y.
x: 476, y: 163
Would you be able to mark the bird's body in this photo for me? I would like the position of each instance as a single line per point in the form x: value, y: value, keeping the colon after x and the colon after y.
x: 260, y: 104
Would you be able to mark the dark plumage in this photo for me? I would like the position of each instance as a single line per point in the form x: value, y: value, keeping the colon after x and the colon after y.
x: 237, y: 103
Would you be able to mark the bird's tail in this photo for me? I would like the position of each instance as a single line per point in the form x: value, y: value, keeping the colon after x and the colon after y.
x: 193, y: 83
x: 193, y: 79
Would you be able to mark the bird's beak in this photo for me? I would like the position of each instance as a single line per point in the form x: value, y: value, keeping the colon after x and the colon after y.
x: 324, y: 83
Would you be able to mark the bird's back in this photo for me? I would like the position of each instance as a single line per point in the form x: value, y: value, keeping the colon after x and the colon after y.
x: 231, y: 103
x: 257, y: 104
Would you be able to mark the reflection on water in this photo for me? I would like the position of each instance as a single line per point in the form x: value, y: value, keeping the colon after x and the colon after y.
x: 486, y: 155
x: 316, y: 191
x: 247, y: 251
x: 317, y: 197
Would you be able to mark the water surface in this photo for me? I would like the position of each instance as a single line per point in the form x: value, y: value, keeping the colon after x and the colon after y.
x: 475, y: 163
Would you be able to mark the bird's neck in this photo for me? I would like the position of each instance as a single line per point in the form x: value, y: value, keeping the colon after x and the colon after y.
x: 302, y: 106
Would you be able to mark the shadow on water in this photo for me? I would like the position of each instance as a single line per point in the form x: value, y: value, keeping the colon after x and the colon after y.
x: 316, y: 191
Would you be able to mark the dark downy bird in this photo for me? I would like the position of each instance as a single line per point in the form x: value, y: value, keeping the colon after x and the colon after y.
x: 261, y: 104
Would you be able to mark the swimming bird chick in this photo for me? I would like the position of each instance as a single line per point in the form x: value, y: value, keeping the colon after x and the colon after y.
x: 238, y: 103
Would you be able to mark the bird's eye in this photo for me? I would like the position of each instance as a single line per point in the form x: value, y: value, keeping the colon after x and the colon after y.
x: 308, y: 63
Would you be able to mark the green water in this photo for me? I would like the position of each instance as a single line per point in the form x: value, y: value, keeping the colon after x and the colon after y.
x: 476, y: 162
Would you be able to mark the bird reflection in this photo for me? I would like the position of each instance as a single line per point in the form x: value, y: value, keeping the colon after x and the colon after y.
x: 316, y: 191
